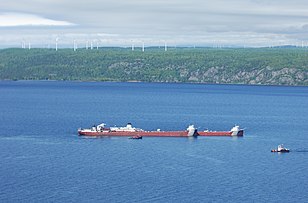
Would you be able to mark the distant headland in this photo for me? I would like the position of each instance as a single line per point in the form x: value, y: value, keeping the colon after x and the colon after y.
x: 264, y: 66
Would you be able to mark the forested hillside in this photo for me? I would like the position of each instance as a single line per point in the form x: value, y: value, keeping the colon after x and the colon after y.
x: 274, y: 66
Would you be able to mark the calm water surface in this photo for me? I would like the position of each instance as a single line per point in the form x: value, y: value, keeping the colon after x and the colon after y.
x: 43, y: 159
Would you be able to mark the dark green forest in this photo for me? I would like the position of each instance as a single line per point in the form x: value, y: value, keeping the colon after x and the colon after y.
x: 265, y: 66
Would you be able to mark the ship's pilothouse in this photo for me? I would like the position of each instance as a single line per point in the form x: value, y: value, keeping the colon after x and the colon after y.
x: 191, y: 131
x: 235, y: 130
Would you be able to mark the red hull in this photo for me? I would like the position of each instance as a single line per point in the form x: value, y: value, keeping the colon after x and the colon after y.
x: 220, y: 133
x: 141, y: 133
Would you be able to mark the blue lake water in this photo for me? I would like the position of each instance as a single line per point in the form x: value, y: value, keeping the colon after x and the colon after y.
x: 43, y: 159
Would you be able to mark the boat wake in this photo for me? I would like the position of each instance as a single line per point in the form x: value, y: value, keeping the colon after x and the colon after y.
x: 304, y: 150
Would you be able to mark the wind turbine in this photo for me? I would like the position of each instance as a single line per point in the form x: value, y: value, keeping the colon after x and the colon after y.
x: 142, y: 46
x: 29, y: 45
x: 102, y: 42
x: 133, y: 46
x: 97, y: 40
x: 165, y: 46
x: 23, y: 44
x: 75, y: 45
x: 57, y: 43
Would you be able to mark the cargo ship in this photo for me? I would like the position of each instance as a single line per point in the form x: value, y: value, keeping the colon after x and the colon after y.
x: 130, y: 131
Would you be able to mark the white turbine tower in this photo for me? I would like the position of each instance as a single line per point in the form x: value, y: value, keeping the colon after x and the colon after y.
x: 142, y: 46
x: 75, y: 45
x: 165, y: 46
x: 102, y: 42
x: 133, y: 46
x: 97, y: 40
x: 29, y: 45
x: 91, y: 45
x: 57, y: 39
x: 23, y: 44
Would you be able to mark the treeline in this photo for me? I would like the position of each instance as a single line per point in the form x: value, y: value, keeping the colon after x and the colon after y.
x: 275, y: 66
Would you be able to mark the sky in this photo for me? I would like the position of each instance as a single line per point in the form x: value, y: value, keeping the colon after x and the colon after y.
x: 216, y: 23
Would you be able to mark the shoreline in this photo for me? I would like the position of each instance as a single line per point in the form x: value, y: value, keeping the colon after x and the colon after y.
x: 136, y: 81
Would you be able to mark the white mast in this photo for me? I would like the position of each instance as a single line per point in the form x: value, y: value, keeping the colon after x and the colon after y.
x: 29, y: 45
x: 91, y: 45
x: 142, y: 46
x: 165, y: 46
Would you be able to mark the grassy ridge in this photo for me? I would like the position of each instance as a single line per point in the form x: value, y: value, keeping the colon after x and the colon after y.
x: 276, y: 66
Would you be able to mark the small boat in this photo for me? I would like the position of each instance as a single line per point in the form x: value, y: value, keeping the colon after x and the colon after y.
x: 280, y: 148
x: 136, y: 137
